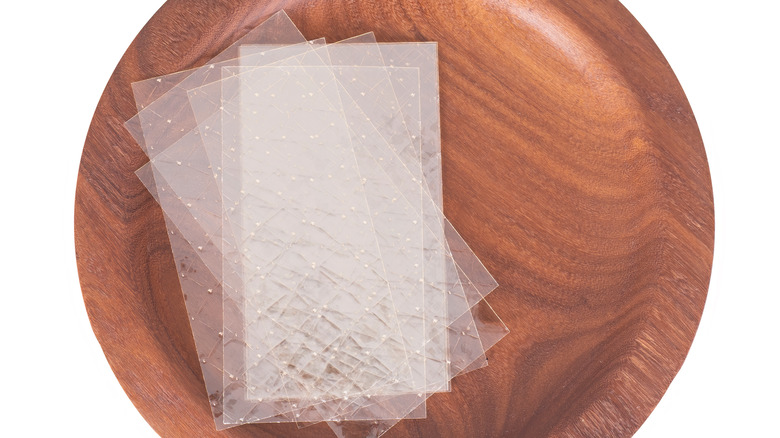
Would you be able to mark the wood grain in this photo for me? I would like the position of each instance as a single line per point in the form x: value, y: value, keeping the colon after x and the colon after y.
x: 572, y: 165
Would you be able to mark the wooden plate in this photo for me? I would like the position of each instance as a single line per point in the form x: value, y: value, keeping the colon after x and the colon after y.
x: 572, y: 165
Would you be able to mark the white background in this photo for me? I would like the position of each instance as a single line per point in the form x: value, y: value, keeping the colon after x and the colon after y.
x: 59, y: 55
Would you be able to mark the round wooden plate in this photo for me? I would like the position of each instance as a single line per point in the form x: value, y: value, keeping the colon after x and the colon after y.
x: 572, y: 165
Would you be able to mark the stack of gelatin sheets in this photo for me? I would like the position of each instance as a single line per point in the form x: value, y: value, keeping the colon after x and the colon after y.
x: 301, y: 187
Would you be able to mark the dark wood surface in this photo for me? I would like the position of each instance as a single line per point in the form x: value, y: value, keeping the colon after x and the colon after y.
x: 572, y: 165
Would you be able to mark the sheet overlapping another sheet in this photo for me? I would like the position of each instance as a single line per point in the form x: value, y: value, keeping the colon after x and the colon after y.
x: 301, y: 187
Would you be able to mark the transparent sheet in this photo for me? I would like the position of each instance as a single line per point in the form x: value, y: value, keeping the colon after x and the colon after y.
x: 183, y: 286
x: 362, y: 360
x: 370, y: 344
